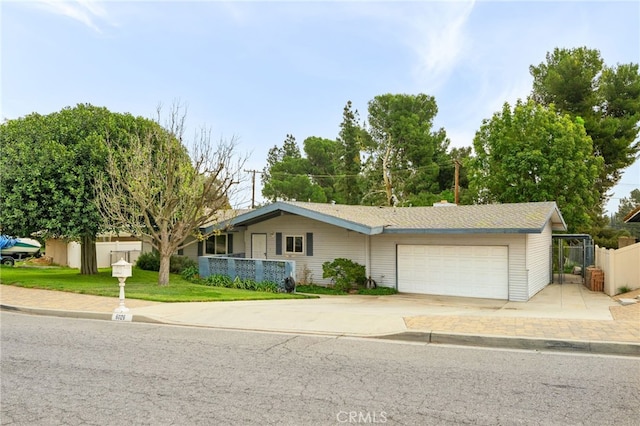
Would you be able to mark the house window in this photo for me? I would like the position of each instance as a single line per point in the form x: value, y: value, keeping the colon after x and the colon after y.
x: 294, y: 244
x: 216, y: 244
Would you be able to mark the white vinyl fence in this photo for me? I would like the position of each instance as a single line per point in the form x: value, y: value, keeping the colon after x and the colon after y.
x: 106, y: 253
x: 621, y: 267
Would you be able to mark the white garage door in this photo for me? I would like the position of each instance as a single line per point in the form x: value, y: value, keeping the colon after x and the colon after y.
x: 468, y: 271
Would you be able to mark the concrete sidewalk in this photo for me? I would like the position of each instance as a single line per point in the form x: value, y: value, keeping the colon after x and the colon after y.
x: 566, y: 317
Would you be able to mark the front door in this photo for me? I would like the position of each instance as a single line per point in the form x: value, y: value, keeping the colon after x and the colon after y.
x: 258, y: 246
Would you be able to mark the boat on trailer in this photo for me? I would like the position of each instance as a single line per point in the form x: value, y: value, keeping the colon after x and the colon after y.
x: 17, y: 248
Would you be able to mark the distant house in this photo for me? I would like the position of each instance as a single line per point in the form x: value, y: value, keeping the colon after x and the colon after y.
x: 633, y: 216
x: 499, y: 251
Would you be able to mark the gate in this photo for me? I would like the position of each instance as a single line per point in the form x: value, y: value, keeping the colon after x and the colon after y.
x: 571, y: 254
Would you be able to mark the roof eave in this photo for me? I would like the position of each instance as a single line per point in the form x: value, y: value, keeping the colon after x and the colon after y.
x: 268, y: 212
x: 557, y: 221
x: 633, y: 216
x: 462, y: 231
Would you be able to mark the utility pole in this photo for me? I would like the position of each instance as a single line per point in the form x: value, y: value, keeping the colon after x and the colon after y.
x: 457, y: 181
x: 253, y: 187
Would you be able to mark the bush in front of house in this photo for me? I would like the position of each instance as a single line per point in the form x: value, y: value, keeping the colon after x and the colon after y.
x: 239, y: 283
x: 179, y: 264
x: 191, y: 273
x: 345, y: 273
x: 150, y: 261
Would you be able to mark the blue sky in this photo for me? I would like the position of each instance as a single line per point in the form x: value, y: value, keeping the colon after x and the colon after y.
x: 259, y: 70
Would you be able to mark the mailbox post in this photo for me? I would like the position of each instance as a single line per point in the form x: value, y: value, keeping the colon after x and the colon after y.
x: 121, y: 270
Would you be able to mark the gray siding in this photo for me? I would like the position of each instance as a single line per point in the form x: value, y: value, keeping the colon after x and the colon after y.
x: 383, y: 268
x: 329, y: 242
x: 239, y: 245
x: 191, y: 251
x: 538, y: 260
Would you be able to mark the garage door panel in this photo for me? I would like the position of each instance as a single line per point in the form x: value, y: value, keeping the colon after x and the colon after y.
x: 470, y: 271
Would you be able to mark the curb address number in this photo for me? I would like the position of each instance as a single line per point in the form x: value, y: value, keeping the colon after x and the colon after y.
x: 121, y: 317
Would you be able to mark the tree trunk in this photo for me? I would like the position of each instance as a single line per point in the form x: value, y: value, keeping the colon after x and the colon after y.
x: 88, y: 257
x: 163, y: 273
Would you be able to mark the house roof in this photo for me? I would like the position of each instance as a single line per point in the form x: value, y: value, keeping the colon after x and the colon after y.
x: 633, y: 216
x: 452, y: 219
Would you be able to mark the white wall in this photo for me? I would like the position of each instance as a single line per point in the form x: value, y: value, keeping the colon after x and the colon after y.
x: 621, y: 267
x: 104, y: 249
x: 539, y: 260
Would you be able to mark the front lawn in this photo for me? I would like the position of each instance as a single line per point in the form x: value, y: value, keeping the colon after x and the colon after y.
x: 142, y: 285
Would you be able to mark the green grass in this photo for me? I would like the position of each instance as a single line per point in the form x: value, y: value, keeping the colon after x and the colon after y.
x: 317, y: 289
x: 142, y: 285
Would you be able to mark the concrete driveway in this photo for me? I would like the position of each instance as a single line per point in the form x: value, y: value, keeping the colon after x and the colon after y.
x: 371, y: 315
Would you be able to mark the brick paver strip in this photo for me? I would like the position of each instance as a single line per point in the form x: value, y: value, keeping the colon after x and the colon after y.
x: 552, y: 328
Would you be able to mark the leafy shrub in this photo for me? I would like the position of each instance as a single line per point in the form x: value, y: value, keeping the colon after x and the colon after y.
x: 150, y: 261
x: 177, y: 264
x: 239, y: 283
x: 344, y: 273
x: 190, y: 273
x: 268, y: 286
x: 219, y: 281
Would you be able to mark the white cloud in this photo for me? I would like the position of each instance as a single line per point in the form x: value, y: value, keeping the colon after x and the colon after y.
x: 439, y: 40
x: 87, y: 12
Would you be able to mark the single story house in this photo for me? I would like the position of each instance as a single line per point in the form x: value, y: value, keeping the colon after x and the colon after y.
x: 499, y: 251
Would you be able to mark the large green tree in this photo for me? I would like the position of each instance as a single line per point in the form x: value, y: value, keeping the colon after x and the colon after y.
x: 531, y: 153
x: 49, y: 164
x: 287, y: 175
x: 607, y: 98
x: 324, y: 167
x: 329, y: 170
x: 352, y: 140
x: 406, y: 155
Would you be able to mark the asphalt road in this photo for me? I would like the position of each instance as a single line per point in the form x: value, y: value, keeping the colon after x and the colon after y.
x: 83, y: 372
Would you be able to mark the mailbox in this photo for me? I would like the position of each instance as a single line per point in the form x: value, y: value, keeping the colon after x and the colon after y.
x: 121, y: 269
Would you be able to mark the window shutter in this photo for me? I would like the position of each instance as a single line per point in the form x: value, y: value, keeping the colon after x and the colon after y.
x: 309, y: 243
x: 229, y: 243
x: 278, y: 243
x: 199, y: 248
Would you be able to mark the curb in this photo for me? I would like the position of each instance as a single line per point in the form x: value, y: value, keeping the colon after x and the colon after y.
x: 529, y: 343
x: 76, y: 314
